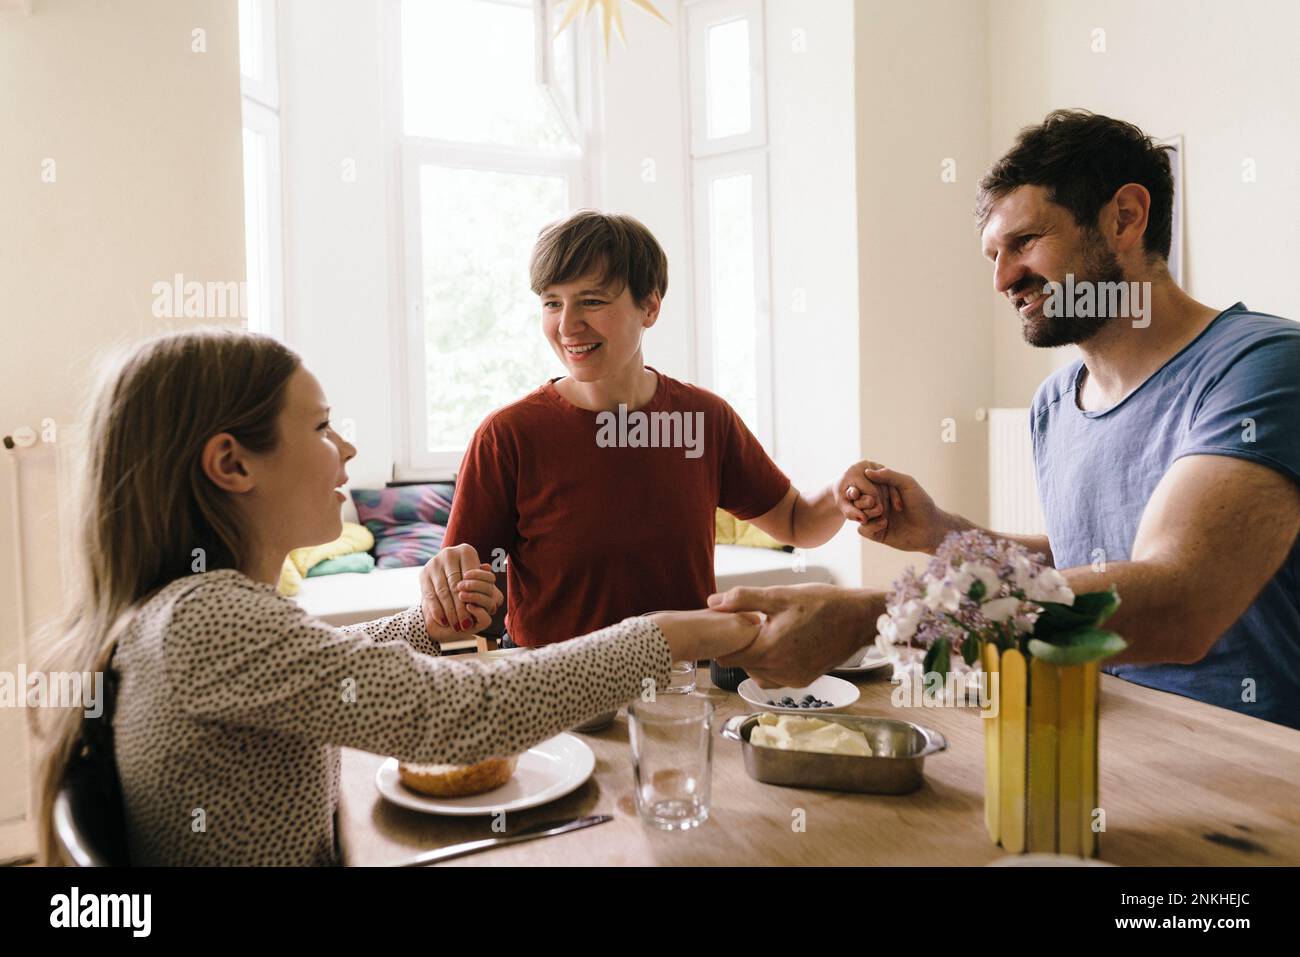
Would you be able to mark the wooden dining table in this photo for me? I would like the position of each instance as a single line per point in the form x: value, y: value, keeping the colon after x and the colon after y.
x: 1182, y: 783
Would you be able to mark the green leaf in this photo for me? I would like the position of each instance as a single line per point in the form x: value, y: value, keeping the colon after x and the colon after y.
x: 937, y: 658
x: 970, y: 649
x: 977, y: 590
x: 1088, y: 611
x: 1078, y: 647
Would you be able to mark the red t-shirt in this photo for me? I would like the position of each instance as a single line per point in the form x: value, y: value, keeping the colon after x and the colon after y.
x: 597, y: 525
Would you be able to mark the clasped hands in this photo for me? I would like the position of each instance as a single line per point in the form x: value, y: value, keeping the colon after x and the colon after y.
x: 782, y: 636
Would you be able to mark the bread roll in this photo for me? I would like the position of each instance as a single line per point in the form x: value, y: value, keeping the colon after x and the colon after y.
x: 457, y: 780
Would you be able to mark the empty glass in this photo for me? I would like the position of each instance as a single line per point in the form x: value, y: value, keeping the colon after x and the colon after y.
x: 672, y: 759
x: 681, y: 678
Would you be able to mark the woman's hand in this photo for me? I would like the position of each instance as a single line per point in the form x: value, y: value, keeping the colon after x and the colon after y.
x: 457, y: 593
x: 694, y: 635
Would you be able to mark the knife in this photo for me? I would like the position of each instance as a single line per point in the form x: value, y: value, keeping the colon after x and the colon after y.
x: 527, y: 834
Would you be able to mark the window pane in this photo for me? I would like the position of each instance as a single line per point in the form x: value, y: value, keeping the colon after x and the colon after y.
x: 735, y: 328
x: 483, y: 339
x: 564, y: 54
x: 251, y: 46
x: 728, y: 79
x: 257, y: 227
x: 468, y: 74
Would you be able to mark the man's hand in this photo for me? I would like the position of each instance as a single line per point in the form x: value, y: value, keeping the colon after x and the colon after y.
x: 457, y: 594
x: 913, y: 523
x: 809, y: 630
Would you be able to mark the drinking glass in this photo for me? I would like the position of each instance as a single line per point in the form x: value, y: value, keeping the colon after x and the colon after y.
x: 672, y: 759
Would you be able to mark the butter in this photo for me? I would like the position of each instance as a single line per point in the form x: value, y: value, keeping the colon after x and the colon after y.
x: 792, y: 732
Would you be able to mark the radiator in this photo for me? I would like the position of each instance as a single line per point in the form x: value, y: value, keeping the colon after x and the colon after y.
x: 39, y: 471
x: 1013, y: 488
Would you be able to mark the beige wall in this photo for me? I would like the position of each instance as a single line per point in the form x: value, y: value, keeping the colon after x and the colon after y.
x: 925, y: 348
x: 145, y: 137
x: 1225, y: 76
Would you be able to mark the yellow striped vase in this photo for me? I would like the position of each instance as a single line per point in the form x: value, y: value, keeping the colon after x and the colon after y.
x: 1040, y: 755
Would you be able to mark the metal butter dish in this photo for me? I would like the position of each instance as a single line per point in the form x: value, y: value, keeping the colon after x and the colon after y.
x: 899, y: 750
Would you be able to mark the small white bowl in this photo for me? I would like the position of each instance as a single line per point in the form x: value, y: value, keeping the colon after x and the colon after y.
x: 840, y: 693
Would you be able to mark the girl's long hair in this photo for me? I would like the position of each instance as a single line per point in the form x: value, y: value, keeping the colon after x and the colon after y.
x: 147, y: 513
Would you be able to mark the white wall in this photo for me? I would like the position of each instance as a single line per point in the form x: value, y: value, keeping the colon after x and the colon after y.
x: 145, y: 136
x: 1224, y: 75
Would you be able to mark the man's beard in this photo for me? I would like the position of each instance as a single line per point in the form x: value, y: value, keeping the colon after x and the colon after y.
x: 1099, y: 265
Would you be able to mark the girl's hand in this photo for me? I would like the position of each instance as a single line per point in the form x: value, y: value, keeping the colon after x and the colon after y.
x: 693, y: 635
x: 457, y: 593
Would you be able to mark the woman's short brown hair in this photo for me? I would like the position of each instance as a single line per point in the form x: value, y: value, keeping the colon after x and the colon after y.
x: 616, y: 247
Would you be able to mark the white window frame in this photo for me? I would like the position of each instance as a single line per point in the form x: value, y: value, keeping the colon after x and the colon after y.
x: 412, y: 460
x: 745, y: 153
x: 700, y: 16
x: 266, y: 90
x: 704, y: 171
x: 260, y: 109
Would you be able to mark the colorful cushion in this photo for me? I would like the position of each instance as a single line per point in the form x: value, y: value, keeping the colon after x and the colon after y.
x: 408, y: 521
x: 300, y: 561
x: 359, y: 563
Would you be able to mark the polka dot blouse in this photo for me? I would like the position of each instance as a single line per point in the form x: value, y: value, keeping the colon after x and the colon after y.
x: 233, y: 704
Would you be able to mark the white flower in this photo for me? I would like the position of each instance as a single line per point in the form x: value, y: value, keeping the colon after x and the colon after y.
x: 962, y: 578
x: 899, y: 626
x: 1025, y: 623
x: 982, y: 573
x: 1049, y: 585
x: 1000, y: 609
x: 942, y: 596
x: 1022, y: 570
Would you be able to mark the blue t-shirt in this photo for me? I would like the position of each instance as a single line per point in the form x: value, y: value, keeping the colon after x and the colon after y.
x: 1234, y: 390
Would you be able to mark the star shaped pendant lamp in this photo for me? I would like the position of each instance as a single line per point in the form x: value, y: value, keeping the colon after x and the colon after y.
x: 611, y: 14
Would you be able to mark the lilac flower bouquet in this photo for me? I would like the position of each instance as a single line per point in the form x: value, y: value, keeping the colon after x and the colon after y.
x: 978, y: 589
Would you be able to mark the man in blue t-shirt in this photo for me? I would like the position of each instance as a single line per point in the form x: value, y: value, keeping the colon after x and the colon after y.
x: 1168, y: 456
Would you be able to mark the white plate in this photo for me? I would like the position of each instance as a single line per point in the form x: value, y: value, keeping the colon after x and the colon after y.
x: 545, y: 773
x: 837, y: 691
x: 873, y: 661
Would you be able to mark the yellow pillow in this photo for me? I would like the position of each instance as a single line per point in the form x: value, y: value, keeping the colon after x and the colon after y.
x: 355, y: 538
x: 730, y: 530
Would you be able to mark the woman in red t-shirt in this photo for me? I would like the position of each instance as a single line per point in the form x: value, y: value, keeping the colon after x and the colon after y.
x: 601, y: 487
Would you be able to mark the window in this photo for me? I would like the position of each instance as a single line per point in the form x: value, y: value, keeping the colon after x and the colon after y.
x: 730, y: 225
x: 263, y: 237
x: 492, y: 149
